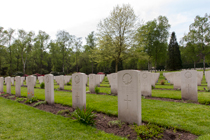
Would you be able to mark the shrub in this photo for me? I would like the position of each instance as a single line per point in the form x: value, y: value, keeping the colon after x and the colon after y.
x: 42, y: 85
x: 162, y: 82
x: 116, y: 122
x: 97, y: 89
x: 85, y: 116
x: 39, y: 103
x: 149, y: 131
x: 20, y: 99
x: 69, y: 84
x: 29, y: 101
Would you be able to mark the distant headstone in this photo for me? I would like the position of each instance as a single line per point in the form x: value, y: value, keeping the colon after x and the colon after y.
x: 154, y: 78
x: 30, y: 86
x: 98, y: 80
x: 1, y: 84
x: 92, y: 82
x: 199, y: 77
x: 189, y: 85
x: 49, y: 88
x: 102, y: 77
x: 79, y: 90
x: 146, y: 89
x: 177, y: 80
x: 17, y: 85
x: 34, y: 80
x: 67, y: 79
x: 22, y: 80
x: 113, y: 82
x: 207, y: 75
x: 41, y: 79
x: 61, y: 82
x: 8, y: 83
x: 129, y: 96
x: 12, y: 80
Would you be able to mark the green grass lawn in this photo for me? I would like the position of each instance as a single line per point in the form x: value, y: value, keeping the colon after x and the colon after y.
x: 19, y: 121
x: 194, y: 118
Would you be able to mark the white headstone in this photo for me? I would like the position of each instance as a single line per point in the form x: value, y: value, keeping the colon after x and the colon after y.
x: 207, y: 75
x: 79, y: 90
x: 1, y: 84
x: 199, y: 77
x: 22, y: 80
x: 113, y: 82
x: 61, y: 82
x: 34, y: 80
x: 41, y: 79
x: 98, y: 80
x: 12, y: 80
x: 49, y: 88
x: 129, y: 96
x: 67, y: 78
x: 146, y: 89
x: 17, y: 85
x: 102, y: 77
x: 92, y: 82
x: 8, y: 83
x: 30, y: 86
x: 189, y: 85
x: 177, y: 80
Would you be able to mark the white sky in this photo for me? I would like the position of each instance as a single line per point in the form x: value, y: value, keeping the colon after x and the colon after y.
x: 80, y: 17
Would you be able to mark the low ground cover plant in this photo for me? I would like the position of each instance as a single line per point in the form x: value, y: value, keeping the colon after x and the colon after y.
x: 119, y: 123
x: 29, y: 101
x: 97, y: 89
x: 39, y: 103
x: 42, y: 85
x: 85, y: 116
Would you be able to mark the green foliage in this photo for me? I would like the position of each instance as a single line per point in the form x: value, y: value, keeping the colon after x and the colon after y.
x: 85, y: 116
x: 11, y: 97
x: 116, y: 122
x: 97, y: 89
x: 29, y: 101
x: 60, y: 112
x: 69, y: 84
x: 39, y: 103
x: 148, y: 131
x: 174, y: 58
x: 42, y: 85
x: 2, y: 94
x: 20, y: 99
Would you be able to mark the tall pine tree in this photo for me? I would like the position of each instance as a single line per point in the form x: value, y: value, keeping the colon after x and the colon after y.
x: 174, y: 58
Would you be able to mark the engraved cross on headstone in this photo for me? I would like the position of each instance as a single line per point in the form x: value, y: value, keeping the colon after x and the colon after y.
x: 77, y: 96
x: 188, y: 87
x: 127, y: 101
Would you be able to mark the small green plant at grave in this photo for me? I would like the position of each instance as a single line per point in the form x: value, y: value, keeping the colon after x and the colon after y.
x: 20, y: 99
x: 42, y: 85
x: 85, y: 116
x: 153, y: 87
x: 69, y: 84
x: 60, y: 112
x: 148, y: 131
x: 115, y: 123
x: 29, y: 101
x: 162, y: 82
x: 56, y: 89
x: 11, y: 97
x: 97, y: 90
x: 206, y: 90
x: 39, y: 103
x: 3, y: 93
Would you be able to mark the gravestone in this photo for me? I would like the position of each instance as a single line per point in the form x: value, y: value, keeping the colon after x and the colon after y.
x: 146, y: 89
x: 98, y: 80
x: 113, y: 82
x: 30, y: 86
x: 8, y: 83
x: 41, y: 79
x: 170, y: 77
x: 1, y: 84
x: 177, y: 80
x: 49, y: 88
x: 61, y: 81
x: 102, y: 77
x: 129, y: 96
x: 199, y: 77
x: 67, y: 79
x: 153, y: 79
x: 17, y: 85
x: 22, y: 80
x: 12, y: 80
x: 79, y: 90
x: 34, y: 80
x: 92, y: 82
x: 189, y: 85
x: 207, y: 75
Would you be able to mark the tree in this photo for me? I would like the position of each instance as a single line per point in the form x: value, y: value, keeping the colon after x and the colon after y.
x: 91, y: 46
x: 78, y: 45
x: 153, y: 36
x: 199, y: 34
x: 174, y: 58
x: 64, y: 40
x: 118, y: 29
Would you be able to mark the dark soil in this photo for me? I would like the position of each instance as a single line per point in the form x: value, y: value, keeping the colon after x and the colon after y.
x: 102, y: 123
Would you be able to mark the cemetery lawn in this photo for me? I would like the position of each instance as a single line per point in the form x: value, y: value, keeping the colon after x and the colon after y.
x: 191, y: 117
x: 19, y: 121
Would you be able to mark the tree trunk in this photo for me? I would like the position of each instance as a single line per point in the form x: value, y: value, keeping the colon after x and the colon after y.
x: 204, y: 67
x: 194, y: 64
x: 116, y: 66
x: 92, y: 66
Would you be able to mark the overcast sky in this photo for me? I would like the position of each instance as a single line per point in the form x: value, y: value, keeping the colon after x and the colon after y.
x: 80, y: 17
